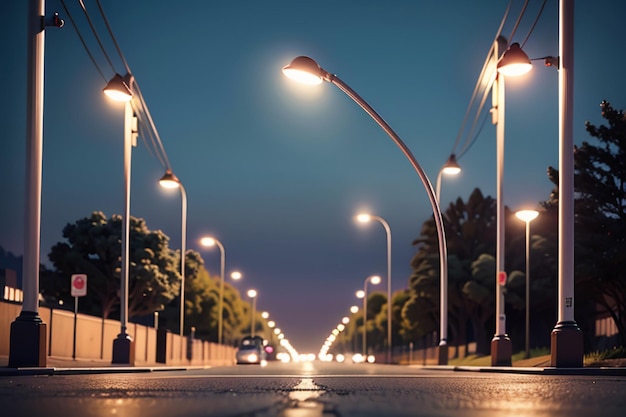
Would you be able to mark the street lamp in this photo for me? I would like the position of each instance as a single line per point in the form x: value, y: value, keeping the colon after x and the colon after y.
x: 169, y: 180
x: 119, y: 89
x: 566, y: 347
x: 209, y: 242
x: 527, y: 216
x: 28, y: 331
x: 366, y: 218
x: 375, y: 280
x: 306, y: 70
x: 451, y: 167
x: 253, y: 294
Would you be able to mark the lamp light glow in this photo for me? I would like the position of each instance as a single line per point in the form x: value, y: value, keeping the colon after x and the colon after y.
x: 527, y: 215
x: 169, y: 180
x: 117, y: 89
x: 451, y: 166
x: 514, y: 61
x: 304, y: 70
x: 363, y: 218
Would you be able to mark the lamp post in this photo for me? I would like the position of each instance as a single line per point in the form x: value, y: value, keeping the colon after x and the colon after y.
x: 253, y: 294
x: 210, y: 241
x: 28, y: 331
x: 366, y: 218
x: 306, y: 70
x: 169, y: 180
x: 566, y: 347
x: 516, y: 63
x: 527, y: 216
x: 451, y: 167
x: 375, y: 280
x: 119, y: 89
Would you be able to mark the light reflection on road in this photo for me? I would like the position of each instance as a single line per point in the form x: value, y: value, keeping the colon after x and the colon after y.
x: 303, y: 400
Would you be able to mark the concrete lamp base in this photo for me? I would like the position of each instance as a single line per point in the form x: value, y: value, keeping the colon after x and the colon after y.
x: 501, y: 350
x: 566, y: 347
x: 28, y: 341
x: 123, y: 350
x: 442, y: 354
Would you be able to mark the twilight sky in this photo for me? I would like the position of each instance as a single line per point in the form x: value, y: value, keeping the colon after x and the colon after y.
x: 277, y: 171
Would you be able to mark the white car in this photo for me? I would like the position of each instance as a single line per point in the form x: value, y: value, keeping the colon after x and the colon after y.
x: 251, y: 351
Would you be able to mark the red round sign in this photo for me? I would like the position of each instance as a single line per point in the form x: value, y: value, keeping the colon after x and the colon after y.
x: 79, y: 283
x: 502, y: 278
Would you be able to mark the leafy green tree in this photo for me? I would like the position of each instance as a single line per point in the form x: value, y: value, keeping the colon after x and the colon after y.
x: 93, y: 247
x: 600, y: 221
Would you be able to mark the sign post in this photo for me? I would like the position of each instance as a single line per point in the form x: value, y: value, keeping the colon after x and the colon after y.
x: 78, y: 289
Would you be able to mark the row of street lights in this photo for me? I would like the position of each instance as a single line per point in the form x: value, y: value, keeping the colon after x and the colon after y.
x: 566, y: 338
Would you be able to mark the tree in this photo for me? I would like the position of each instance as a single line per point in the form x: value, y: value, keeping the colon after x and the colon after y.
x: 600, y: 221
x: 93, y: 247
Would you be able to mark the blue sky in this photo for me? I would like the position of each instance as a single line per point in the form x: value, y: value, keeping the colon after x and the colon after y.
x: 277, y: 171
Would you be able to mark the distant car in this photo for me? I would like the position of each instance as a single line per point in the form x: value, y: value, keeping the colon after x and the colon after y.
x: 251, y: 351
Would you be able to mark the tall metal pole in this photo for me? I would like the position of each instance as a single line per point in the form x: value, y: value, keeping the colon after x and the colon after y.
x: 123, y: 344
x: 183, y: 250
x: 365, y: 320
x: 566, y: 338
x: 527, y: 344
x: 28, y: 331
x: 501, y: 348
x: 220, y: 320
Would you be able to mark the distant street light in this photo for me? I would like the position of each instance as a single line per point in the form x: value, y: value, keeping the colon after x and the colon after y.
x: 253, y: 294
x: 209, y: 242
x: 375, y: 280
x: 169, y: 180
x: 451, y: 167
x: 366, y: 218
x: 305, y: 70
x: 527, y: 216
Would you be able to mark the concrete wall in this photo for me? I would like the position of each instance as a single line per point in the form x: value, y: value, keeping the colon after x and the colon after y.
x: 94, y: 339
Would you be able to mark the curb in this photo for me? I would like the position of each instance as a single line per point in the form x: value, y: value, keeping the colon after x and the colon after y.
x: 588, y: 371
x: 87, y: 371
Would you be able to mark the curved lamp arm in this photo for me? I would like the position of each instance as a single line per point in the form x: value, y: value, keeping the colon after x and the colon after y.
x: 314, y: 74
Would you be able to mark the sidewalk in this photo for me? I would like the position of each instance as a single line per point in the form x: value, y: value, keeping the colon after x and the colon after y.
x: 69, y: 366
x: 539, y: 365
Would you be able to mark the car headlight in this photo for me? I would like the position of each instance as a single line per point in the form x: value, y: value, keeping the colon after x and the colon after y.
x: 253, y: 357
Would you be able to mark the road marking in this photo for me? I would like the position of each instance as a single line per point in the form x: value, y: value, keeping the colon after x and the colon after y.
x: 303, y: 400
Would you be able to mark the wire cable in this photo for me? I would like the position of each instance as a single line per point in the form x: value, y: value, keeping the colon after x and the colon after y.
x: 144, y: 117
x: 95, y: 33
x: 117, y: 46
x: 478, y: 83
x: 532, y: 28
x: 82, y: 41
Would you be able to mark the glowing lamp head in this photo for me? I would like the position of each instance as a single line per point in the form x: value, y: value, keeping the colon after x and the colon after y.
x: 354, y: 309
x: 252, y: 293
x: 514, y: 62
x: 360, y: 294
x: 375, y: 280
x: 236, y: 275
x: 169, y: 180
x: 207, y: 241
x: 363, y: 218
x: 527, y: 215
x: 451, y: 167
x: 304, y: 70
x: 117, y: 89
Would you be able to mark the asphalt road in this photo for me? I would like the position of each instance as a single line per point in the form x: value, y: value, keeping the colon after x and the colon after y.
x: 309, y: 390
